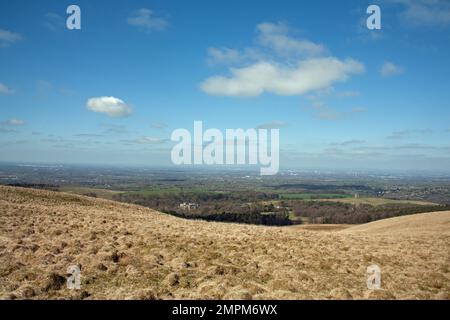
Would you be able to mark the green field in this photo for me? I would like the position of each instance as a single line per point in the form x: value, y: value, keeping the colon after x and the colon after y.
x: 166, y: 191
x: 169, y: 191
x: 101, y: 193
x: 313, y: 196
x: 377, y: 201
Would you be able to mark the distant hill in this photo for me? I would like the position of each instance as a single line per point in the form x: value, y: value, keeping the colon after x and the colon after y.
x: 127, y: 251
x: 433, y: 223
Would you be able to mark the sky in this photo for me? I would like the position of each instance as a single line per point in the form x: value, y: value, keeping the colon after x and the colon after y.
x: 342, y: 96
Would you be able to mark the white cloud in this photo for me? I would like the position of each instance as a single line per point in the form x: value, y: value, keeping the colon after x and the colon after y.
x: 89, y: 135
x: 145, y: 18
x: 327, y: 113
x: 6, y: 130
x: 228, y: 56
x: 13, y: 122
x: 7, y: 38
x: 358, y: 110
x: 111, y: 106
x: 348, y: 94
x: 425, y: 12
x: 307, y: 75
x: 151, y: 140
x: 409, y: 133
x: 275, y: 37
x: 323, y: 111
x: 16, y: 122
x: 4, y: 89
x: 272, y: 39
x: 54, y: 22
x: 158, y: 125
x: 390, y: 69
x: 114, y: 129
x: 146, y: 140
x: 279, y: 64
x: 352, y: 142
x: 223, y: 56
x: 276, y: 124
x: 45, y: 88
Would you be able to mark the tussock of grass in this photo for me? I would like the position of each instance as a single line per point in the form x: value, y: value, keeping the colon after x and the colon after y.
x: 130, y: 252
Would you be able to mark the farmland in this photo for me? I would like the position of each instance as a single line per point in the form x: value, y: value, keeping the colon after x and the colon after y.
x: 244, y: 197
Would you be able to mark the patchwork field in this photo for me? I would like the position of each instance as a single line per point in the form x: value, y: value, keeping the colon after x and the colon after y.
x: 312, y: 196
x: 377, y: 201
x: 131, y: 252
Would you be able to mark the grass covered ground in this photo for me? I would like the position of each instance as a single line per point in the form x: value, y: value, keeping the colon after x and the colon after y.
x: 131, y: 252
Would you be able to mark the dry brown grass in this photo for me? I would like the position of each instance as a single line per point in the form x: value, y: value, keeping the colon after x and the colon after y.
x: 322, y: 227
x: 127, y: 251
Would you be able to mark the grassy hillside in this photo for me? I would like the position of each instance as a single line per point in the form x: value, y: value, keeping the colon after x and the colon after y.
x: 127, y: 251
x: 434, y: 223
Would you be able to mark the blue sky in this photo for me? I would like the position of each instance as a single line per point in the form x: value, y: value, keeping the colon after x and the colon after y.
x: 343, y: 96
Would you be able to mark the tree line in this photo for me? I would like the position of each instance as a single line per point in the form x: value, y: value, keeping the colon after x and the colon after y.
x: 242, y: 207
x: 329, y: 212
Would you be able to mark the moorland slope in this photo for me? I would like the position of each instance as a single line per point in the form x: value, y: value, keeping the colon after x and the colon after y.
x: 131, y: 252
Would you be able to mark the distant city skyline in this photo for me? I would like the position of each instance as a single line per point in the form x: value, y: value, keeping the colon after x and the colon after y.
x: 343, y: 96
